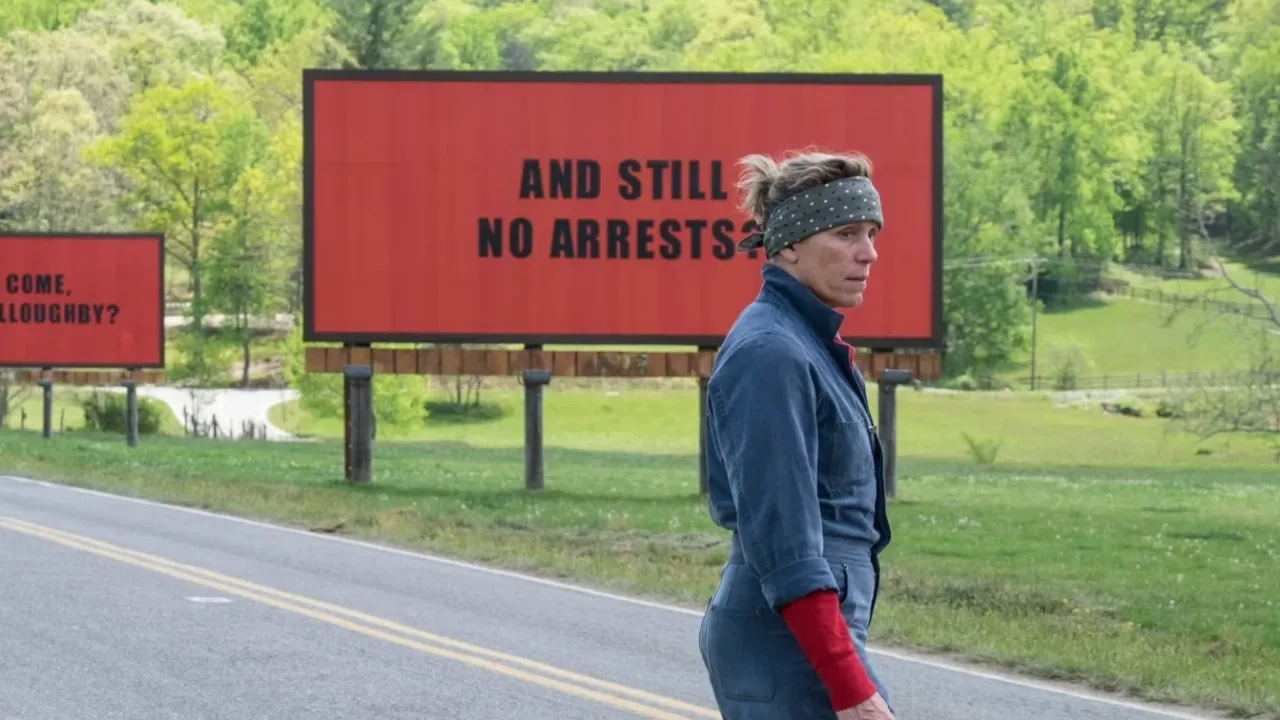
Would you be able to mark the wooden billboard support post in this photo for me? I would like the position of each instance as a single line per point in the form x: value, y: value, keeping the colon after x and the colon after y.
x: 887, y: 419
x: 533, y: 381
x: 359, y: 360
x: 923, y: 366
x: 703, y: 379
x: 130, y: 411
x: 357, y: 381
x: 46, y: 387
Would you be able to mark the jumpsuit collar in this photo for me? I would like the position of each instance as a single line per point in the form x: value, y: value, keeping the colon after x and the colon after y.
x: 824, y: 321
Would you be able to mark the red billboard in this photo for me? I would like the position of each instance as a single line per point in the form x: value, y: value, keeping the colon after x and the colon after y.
x: 536, y: 208
x: 81, y: 300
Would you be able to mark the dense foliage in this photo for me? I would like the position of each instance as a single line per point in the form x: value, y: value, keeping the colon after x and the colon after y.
x: 1088, y: 132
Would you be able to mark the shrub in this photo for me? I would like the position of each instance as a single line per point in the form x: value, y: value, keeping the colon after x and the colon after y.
x: 105, y: 412
x: 453, y: 412
x: 1171, y: 409
x: 1130, y: 406
x: 983, y: 452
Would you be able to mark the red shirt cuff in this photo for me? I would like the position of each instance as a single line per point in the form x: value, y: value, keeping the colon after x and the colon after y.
x: 819, y: 627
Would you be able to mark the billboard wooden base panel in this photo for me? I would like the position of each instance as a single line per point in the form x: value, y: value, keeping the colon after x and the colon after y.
x: 924, y: 366
x: 90, y: 378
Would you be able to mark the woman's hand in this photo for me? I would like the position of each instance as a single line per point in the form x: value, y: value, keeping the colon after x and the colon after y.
x: 873, y: 708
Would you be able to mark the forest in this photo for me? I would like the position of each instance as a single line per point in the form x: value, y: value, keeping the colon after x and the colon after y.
x: 1080, y: 134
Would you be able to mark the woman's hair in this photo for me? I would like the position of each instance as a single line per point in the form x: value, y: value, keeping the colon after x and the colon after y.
x: 766, y: 182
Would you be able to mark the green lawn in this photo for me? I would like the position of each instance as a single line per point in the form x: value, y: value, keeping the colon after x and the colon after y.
x: 1131, y: 342
x: 1097, y: 547
x: 67, y: 413
x: 1028, y: 428
x: 1124, y: 338
x: 1263, y: 275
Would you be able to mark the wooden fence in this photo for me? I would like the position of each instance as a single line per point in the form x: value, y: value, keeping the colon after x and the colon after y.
x: 1148, y: 381
x: 1253, y: 311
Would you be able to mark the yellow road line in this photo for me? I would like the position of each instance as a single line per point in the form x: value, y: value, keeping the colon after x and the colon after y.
x: 290, y: 602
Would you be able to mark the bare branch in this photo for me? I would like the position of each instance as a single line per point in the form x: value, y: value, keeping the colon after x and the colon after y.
x: 1251, y: 407
x: 1272, y: 309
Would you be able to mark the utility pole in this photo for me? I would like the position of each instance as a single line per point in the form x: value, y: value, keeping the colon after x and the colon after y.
x: 1035, y: 307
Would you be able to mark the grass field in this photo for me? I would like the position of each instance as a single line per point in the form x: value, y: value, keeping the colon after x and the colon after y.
x: 1137, y: 340
x: 1263, y: 275
x: 67, y: 412
x: 1025, y: 428
x: 1123, y: 338
x: 1096, y: 547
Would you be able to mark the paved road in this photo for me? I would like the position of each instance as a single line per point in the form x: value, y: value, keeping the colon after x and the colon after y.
x: 114, y: 608
x: 232, y: 408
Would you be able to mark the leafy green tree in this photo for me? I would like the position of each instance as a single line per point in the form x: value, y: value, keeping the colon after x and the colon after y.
x: 46, y: 185
x: 246, y: 255
x: 58, y: 92
x: 262, y: 24
x: 376, y: 32
x: 154, y: 43
x: 178, y: 155
x: 37, y: 15
x: 1251, y: 55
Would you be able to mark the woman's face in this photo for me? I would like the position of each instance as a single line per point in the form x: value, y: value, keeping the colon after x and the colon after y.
x: 835, y: 264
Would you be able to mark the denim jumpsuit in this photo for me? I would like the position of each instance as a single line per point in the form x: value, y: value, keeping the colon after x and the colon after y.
x: 795, y: 472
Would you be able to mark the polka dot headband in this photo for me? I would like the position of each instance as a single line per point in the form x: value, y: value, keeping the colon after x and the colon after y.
x: 839, y: 202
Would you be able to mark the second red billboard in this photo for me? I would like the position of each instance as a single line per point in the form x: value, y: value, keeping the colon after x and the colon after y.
x: 593, y: 208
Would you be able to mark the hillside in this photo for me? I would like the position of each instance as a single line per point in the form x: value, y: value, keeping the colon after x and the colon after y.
x: 1154, y: 328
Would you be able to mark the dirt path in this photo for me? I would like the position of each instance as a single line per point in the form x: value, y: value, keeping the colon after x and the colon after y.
x: 232, y: 408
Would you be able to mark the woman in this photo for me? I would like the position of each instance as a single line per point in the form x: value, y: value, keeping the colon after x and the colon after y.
x: 794, y: 466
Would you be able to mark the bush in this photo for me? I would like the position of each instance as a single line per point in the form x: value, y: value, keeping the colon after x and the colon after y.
x: 968, y: 382
x: 448, y: 412
x: 1068, y: 361
x: 1170, y: 409
x: 105, y: 412
x: 1130, y: 406
x: 963, y: 382
x: 398, y: 400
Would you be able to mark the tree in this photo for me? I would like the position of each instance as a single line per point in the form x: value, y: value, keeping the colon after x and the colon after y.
x: 276, y: 96
x: 40, y: 14
x: 154, y: 44
x: 47, y: 186
x: 375, y: 31
x: 243, y: 272
x: 178, y: 156
x: 58, y: 93
x: 1252, y: 52
x: 171, y: 159
x: 260, y: 25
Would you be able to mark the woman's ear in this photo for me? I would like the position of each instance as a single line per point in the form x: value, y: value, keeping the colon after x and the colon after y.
x: 787, y: 255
